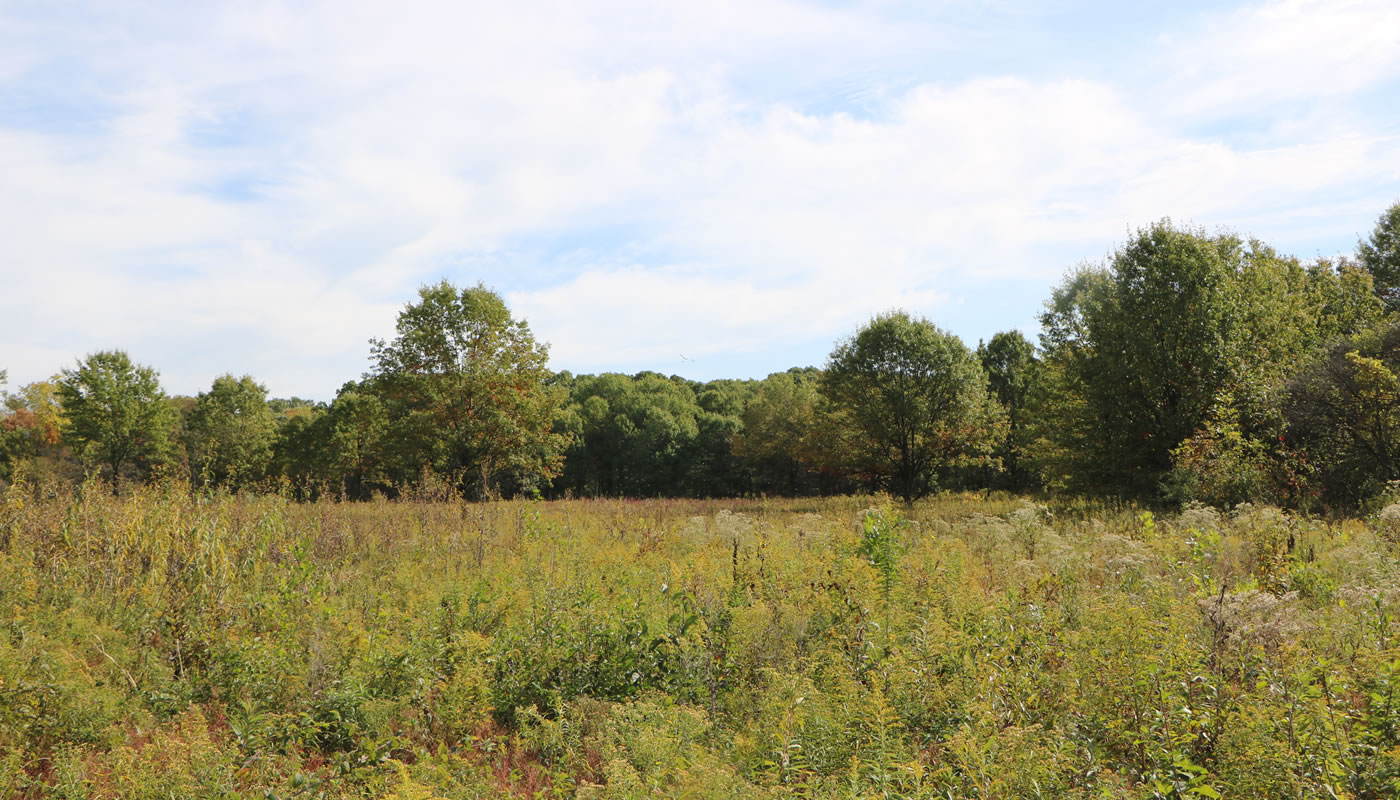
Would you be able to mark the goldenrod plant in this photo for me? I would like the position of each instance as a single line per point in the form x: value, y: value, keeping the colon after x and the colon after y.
x: 164, y: 643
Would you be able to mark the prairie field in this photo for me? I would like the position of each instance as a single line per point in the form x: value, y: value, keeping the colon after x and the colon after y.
x: 168, y: 645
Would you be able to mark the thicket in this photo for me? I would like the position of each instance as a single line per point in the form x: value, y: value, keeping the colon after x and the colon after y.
x: 177, y: 644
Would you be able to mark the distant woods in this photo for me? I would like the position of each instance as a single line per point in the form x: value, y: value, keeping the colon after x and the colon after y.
x: 1187, y: 367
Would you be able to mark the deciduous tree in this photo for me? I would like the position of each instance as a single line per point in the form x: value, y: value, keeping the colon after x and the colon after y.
x: 1380, y: 255
x: 116, y: 415
x: 1011, y: 365
x: 355, y: 447
x: 31, y: 427
x: 777, y: 440
x: 916, y: 402
x: 464, y: 385
x: 1344, y: 413
x: 636, y: 435
x: 230, y: 432
x: 1141, y: 350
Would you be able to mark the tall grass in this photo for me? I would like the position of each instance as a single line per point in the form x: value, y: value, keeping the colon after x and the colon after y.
x: 165, y: 644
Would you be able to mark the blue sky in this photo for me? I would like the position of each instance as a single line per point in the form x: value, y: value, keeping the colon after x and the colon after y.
x: 718, y: 189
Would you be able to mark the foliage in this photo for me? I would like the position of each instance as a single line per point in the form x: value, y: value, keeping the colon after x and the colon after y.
x: 1344, y: 414
x: 634, y: 434
x: 1145, y: 341
x: 355, y: 442
x: 35, y: 407
x: 1342, y: 300
x: 1380, y: 256
x: 464, y: 387
x: 777, y: 438
x: 1012, y: 368
x: 217, y: 645
x: 1139, y: 351
x: 31, y: 427
x: 230, y: 432
x: 649, y: 435
x: 116, y: 415
x: 1220, y: 465
x: 915, y: 400
x: 1164, y: 373
x: 880, y: 545
x: 299, y: 450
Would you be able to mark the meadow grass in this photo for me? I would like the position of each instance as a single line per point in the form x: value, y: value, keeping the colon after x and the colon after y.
x: 168, y: 645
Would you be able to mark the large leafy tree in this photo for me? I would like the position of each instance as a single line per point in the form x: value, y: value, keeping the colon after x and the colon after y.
x: 1343, y: 411
x: 465, y: 388
x: 116, y: 415
x: 1380, y: 255
x: 1142, y: 345
x: 1011, y: 365
x: 354, y: 442
x: 1179, y: 331
x: 915, y: 401
x: 778, y: 439
x: 230, y: 432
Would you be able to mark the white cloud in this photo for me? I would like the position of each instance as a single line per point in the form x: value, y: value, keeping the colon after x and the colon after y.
x: 1318, y: 51
x: 638, y: 317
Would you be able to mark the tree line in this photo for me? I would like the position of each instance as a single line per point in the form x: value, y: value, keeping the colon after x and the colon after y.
x: 1188, y: 366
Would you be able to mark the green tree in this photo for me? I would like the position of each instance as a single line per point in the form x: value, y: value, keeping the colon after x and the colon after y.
x: 915, y: 400
x: 1380, y: 255
x: 713, y: 469
x: 636, y: 437
x: 1222, y: 466
x: 354, y: 448
x: 465, y: 387
x: 300, y: 449
x: 1343, y: 412
x: 1146, y: 342
x: 777, y: 439
x: 230, y: 432
x: 116, y: 415
x: 1343, y: 299
x: 1011, y: 365
x: 1140, y: 351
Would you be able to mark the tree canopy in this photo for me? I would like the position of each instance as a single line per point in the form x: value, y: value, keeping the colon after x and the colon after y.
x: 465, y: 388
x: 1380, y: 255
x: 1141, y: 351
x: 779, y: 434
x: 915, y: 402
x: 1343, y: 411
x: 116, y: 415
x: 230, y: 433
x: 1010, y: 362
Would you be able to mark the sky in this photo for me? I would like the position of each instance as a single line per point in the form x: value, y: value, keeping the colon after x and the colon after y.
x: 717, y: 189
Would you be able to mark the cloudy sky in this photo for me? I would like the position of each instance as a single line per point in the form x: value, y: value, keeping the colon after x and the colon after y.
x: 716, y: 189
